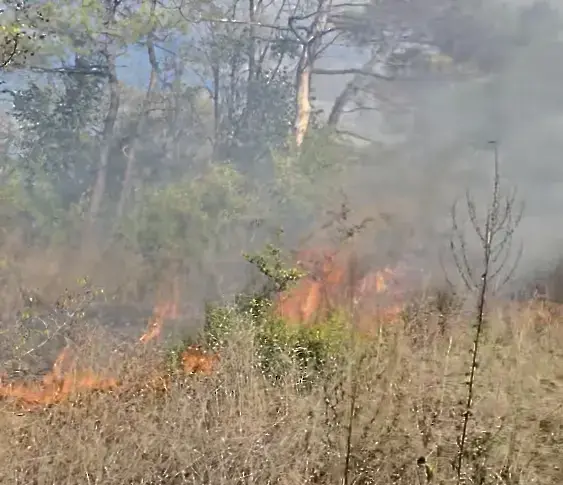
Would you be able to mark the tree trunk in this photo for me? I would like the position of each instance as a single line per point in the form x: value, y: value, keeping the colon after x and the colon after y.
x: 99, y: 188
x: 311, y: 46
x: 303, y: 112
x: 131, y: 155
x: 216, y: 106
x: 352, y: 86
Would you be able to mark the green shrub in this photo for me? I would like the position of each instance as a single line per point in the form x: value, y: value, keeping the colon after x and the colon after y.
x: 280, y: 347
x: 309, y: 351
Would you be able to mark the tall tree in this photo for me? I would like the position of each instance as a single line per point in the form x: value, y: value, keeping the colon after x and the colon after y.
x: 244, y: 57
x: 57, y: 142
x: 109, y: 51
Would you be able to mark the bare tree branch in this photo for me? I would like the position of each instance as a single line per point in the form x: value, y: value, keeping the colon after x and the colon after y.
x: 495, y: 236
x: 344, y: 72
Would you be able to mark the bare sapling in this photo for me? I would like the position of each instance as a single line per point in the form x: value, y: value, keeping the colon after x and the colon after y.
x: 494, y: 233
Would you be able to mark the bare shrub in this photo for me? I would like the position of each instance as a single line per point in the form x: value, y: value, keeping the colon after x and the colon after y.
x: 495, y: 237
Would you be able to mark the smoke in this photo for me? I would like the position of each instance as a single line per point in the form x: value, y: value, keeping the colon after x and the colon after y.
x: 431, y: 134
x: 443, y: 148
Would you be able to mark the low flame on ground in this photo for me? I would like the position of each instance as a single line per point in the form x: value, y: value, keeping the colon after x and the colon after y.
x: 324, y: 288
x: 162, y: 311
x: 56, y: 386
x: 63, y: 382
x: 165, y: 308
x: 196, y: 360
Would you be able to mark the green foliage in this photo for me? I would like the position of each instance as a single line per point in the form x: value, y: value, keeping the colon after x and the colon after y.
x: 256, y: 307
x: 61, y: 117
x: 57, y: 152
x: 58, y: 146
x: 279, y: 277
x: 311, y: 351
x: 267, y: 110
x: 40, y: 211
x: 255, y: 110
x: 20, y: 31
x: 270, y: 263
x: 132, y: 22
x: 304, y: 177
x: 181, y: 218
x: 220, y: 322
x: 280, y: 348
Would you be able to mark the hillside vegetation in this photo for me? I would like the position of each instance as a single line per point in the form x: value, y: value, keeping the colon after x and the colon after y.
x: 286, y: 403
x: 232, y: 249
x: 309, y: 407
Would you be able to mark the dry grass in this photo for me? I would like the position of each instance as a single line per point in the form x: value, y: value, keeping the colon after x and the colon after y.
x: 237, y: 427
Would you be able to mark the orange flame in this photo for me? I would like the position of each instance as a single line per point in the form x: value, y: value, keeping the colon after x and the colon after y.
x: 197, y: 360
x: 327, y: 286
x: 322, y: 289
x: 163, y: 310
x: 62, y: 381
x: 314, y: 292
x: 56, y: 386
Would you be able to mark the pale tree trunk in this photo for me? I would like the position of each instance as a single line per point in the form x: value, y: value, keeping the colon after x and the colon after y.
x: 303, y: 115
x: 310, y: 48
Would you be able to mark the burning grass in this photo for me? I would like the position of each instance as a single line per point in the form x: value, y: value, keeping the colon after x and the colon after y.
x: 332, y: 281
x: 328, y: 283
x: 300, y: 403
x: 66, y: 379
x: 237, y: 425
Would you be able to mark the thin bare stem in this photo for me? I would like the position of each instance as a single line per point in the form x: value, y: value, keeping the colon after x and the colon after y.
x: 495, y: 237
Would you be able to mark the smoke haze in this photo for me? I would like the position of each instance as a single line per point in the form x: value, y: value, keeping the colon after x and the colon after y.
x: 444, y: 149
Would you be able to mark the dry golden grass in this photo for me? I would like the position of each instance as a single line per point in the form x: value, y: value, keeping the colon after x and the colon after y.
x: 237, y: 427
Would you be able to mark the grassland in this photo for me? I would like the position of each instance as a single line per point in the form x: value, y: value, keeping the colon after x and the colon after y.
x: 382, y: 410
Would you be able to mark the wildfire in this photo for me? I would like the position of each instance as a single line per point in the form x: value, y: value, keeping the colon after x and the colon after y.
x: 165, y: 308
x: 329, y: 285
x: 65, y: 381
x: 56, y: 386
x: 162, y: 311
x: 196, y: 360
x: 326, y: 287
x: 381, y: 278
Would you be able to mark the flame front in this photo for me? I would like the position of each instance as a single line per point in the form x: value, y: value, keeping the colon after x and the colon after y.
x: 324, y: 288
x: 327, y: 287
x: 165, y: 308
x: 56, y: 386
x: 63, y: 381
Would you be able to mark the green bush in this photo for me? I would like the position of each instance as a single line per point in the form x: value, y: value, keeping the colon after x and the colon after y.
x: 182, y: 218
x: 280, y: 347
